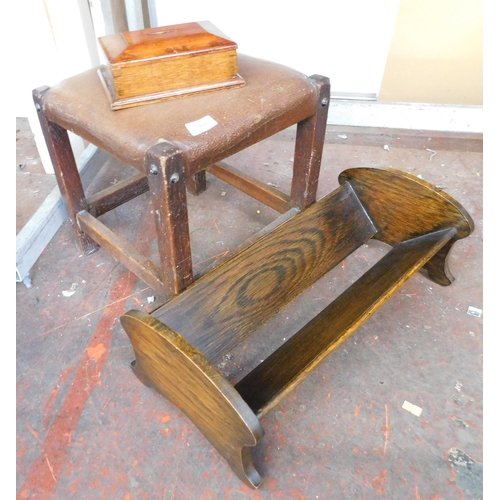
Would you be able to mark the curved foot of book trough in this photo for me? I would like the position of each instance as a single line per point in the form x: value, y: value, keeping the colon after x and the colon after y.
x: 437, y: 268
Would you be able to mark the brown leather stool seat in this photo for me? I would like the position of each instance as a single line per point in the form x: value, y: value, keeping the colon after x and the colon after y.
x: 154, y: 139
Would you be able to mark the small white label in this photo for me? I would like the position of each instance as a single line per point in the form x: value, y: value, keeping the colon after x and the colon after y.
x: 201, y: 125
x: 474, y: 311
x: 416, y: 410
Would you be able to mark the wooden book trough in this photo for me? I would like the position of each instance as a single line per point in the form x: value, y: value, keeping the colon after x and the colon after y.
x: 178, y: 346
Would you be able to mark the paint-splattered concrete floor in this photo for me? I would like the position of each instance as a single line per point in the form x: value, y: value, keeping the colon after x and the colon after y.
x: 88, y: 429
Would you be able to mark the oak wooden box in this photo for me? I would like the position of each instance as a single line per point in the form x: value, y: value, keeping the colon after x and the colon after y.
x: 154, y: 64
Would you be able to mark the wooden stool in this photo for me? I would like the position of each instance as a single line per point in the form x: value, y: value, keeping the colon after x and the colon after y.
x: 169, y: 158
x: 178, y: 346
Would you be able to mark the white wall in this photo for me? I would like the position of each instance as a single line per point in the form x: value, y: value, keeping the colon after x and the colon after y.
x: 61, y: 43
x: 56, y: 48
x: 346, y: 40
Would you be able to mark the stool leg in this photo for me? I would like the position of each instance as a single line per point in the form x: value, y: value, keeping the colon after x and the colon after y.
x: 66, y: 171
x: 197, y: 183
x: 167, y: 183
x: 309, y: 148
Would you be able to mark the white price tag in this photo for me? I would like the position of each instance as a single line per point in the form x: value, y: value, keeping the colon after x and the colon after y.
x: 201, y: 125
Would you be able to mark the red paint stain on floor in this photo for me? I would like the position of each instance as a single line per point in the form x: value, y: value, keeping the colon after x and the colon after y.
x: 48, y: 407
x: 378, y: 482
x: 164, y: 418
x: 417, y: 495
x: 42, y: 476
x: 95, y: 352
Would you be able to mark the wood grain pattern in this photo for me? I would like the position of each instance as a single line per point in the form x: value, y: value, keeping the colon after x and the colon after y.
x: 248, y: 242
x: 157, y: 63
x: 65, y: 170
x: 116, y: 195
x: 224, y: 307
x: 309, y: 147
x: 122, y: 251
x: 168, y: 190
x: 262, y: 192
x: 181, y: 373
x: 288, y: 366
x: 173, y: 41
x: 197, y: 183
x: 403, y: 206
